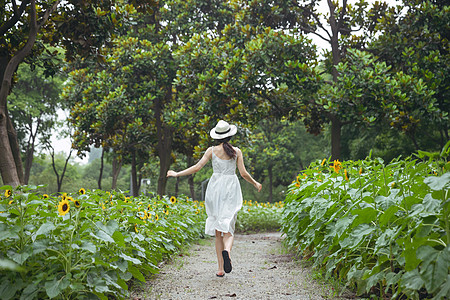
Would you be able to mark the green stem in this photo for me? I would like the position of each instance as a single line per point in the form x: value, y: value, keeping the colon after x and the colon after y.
x: 446, y: 213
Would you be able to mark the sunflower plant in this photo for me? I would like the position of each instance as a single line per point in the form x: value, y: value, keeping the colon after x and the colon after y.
x: 87, y: 244
x: 380, y: 228
x: 259, y: 216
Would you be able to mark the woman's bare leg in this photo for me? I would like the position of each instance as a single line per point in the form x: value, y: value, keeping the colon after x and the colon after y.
x: 228, y: 240
x: 219, y: 249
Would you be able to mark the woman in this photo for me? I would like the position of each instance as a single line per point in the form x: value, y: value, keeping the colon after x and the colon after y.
x: 223, y: 197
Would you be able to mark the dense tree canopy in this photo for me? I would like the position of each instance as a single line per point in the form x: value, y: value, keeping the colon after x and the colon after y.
x: 149, y: 79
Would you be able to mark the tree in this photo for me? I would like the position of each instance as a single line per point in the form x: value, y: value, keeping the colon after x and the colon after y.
x: 415, y: 41
x: 35, y: 100
x: 81, y: 27
x: 129, y: 103
x: 338, y: 27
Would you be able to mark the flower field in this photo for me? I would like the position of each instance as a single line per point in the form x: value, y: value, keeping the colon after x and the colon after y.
x: 89, y: 244
x: 259, y: 217
x: 92, y: 244
x: 381, y: 229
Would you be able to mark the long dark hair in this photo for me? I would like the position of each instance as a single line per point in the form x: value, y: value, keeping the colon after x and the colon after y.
x: 229, y: 150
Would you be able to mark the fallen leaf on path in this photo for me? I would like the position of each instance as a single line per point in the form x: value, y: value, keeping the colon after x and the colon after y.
x: 212, y: 297
x: 231, y: 295
x: 274, y: 267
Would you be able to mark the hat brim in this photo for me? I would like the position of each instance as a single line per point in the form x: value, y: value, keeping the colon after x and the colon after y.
x: 218, y: 136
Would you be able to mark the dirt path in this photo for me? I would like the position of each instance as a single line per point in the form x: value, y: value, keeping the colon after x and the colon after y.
x: 261, y: 270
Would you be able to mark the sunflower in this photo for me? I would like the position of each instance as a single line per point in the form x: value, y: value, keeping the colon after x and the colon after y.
x: 360, y: 171
x: 173, y: 200
x: 77, y: 203
x: 197, y: 211
x: 156, y: 217
x: 336, y: 166
x: 45, y: 196
x: 8, y: 193
x: 64, y: 196
x: 82, y: 191
x: 70, y: 199
x: 323, y: 161
x: 346, y: 174
x: 63, y: 207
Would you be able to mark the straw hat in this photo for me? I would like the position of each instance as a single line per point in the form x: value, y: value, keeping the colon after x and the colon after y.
x: 223, y: 130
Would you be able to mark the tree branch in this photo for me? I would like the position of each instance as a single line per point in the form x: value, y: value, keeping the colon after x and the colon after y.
x: 316, y: 17
x: 341, y: 17
x: 15, y: 18
x: 47, y: 13
x: 313, y: 32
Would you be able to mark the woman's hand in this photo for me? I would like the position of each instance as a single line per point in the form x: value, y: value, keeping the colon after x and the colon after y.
x: 171, y: 173
x: 258, y: 186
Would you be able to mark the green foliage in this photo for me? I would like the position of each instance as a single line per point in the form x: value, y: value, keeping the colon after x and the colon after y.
x: 34, y: 102
x: 276, y: 151
x: 415, y: 41
x: 257, y: 216
x: 383, y: 229
x: 76, y: 176
x: 87, y: 244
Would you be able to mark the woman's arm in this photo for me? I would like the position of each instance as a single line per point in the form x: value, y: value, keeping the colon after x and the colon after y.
x: 243, y: 171
x: 195, y: 168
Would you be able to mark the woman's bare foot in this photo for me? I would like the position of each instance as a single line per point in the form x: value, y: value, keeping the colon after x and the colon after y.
x: 220, y: 274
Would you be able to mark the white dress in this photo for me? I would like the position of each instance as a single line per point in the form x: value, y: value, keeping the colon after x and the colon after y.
x: 223, y: 198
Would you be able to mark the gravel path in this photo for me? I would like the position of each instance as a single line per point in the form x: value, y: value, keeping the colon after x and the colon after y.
x: 261, y: 270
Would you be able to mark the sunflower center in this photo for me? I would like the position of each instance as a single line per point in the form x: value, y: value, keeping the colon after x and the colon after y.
x: 65, y: 207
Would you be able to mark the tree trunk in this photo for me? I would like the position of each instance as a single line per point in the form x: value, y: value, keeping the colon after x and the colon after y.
x: 165, y: 159
x: 116, y: 166
x: 335, y: 138
x: 134, y: 186
x: 270, y: 199
x: 101, y: 169
x: 11, y: 164
x: 59, y: 179
x: 164, y: 136
x: 336, y: 53
x: 15, y: 149
x: 29, y: 154
x: 7, y: 164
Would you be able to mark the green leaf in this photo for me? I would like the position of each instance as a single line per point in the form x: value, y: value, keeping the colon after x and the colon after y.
x: 136, y: 273
x: 30, y: 292
x: 434, y: 269
x: 6, y: 233
x: 438, y: 183
x: 88, y: 246
x: 20, y: 257
x: 357, y: 235
x: 56, y: 286
x: 412, y: 280
x: 7, y: 290
x: 6, y: 264
x: 130, y: 259
x: 443, y: 290
x: 387, y: 215
x: 119, y: 239
x: 44, y: 229
x: 103, y: 236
